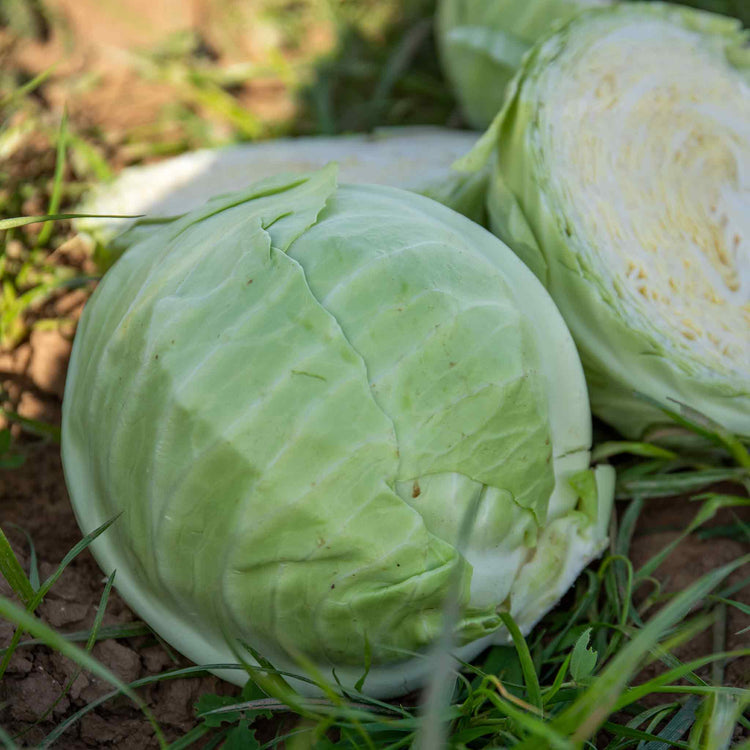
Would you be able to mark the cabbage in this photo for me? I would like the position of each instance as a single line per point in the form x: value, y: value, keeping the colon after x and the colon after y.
x: 621, y: 176
x: 295, y: 396
x: 482, y: 43
x: 415, y: 158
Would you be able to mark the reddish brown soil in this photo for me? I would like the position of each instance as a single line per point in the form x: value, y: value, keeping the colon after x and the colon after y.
x: 101, y: 75
x: 659, y: 525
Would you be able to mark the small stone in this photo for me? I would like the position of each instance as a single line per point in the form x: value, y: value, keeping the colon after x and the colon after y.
x: 156, y: 659
x: 69, y: 670
x: 175, y: 701
x: 71, y: 304
x: 14, y: 249
x: 59, y: 613
x: 16, y: 361
x: 73, y: 586
x: 95, y: 730
x: 19, y: 664
x: 123, y: 661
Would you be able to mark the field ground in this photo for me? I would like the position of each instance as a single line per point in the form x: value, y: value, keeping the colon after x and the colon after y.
x: 135, y: 80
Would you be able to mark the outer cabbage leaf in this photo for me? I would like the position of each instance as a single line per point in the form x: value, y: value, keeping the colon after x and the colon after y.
x: 294, y: 395
x: 482, y: 44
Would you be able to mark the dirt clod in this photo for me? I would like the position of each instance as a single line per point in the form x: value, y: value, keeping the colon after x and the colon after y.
x: 59, y: 614
x: 34, y: 694
x: 49, y: 361
x: 35, y: 407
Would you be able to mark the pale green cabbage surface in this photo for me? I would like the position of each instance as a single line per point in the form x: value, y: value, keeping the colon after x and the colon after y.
x: 482, y: 44
x: 294, y: 395
x: 629, y: 348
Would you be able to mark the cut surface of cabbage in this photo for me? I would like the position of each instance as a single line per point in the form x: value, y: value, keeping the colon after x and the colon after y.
x: 414, y: 158
x: 650, y: 165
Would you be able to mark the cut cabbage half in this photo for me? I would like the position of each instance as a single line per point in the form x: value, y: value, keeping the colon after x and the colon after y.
x: 622, y: 177
x: 414, y: 158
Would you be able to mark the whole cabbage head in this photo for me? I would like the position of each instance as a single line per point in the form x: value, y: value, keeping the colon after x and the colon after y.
x: 295, y: 396
x: 621, y: 175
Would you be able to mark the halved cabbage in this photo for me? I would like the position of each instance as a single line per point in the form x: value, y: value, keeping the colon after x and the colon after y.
x: 414, y: 158
x: 621, y: 176
x: 295, y: 395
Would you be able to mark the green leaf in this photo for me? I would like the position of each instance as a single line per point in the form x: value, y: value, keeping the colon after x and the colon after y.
x: 13, y: 572
x: 57, y: 183
x: 677, y: 726
x: 368, y: 663
x: 583, y: 661
x: 668, y: 485
x: 13, y: 461
x: 251, y: 692
x: 703, y: 425
x: 620, y: 731
x: 106, y: 632
x: 34, y: 426
x: 591, y: 710
x: 717, y: 721
x: 33, y: 563
x: 241, y: 738
x: 615, y: 448
x: 209, y: 702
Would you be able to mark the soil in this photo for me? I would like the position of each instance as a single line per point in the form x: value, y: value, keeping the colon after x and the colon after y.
x: 101, y: 75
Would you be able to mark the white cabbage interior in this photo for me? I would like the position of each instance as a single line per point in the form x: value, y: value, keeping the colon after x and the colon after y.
x: 648, y: 135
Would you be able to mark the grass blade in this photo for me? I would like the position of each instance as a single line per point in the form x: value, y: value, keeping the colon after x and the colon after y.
x: 13, y: 572
x: 22, y: 221
x: 57, y: 182
x: 527, y: 664
x: 589, y: 712
x: 677, y: 726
